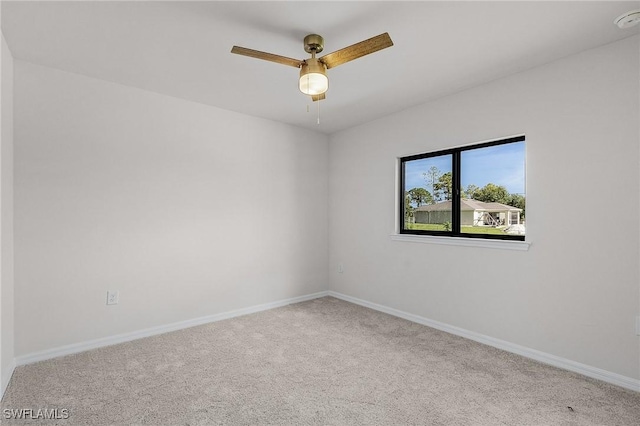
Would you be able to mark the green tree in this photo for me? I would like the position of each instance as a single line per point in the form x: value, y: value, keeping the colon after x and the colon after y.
x: 420, y: 196
x: 492, y: 193
x: 444, y: 187
x: 517, y: 200
x: 408, y: 209
x: 431, y: 176
x: 470, y: 191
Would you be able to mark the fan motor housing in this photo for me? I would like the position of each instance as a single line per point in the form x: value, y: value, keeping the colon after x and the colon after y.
x: 313, y: 43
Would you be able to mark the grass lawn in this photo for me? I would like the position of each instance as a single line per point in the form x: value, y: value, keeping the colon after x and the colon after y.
x: 465, y: 229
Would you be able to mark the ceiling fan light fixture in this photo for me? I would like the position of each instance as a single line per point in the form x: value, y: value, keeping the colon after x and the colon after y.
x: 313, y: 77
x: 313, y: 71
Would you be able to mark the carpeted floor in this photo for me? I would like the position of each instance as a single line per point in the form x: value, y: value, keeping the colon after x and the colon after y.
x: 322, y: 362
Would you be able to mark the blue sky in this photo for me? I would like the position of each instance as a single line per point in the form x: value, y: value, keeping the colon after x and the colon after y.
x: 501, y: 164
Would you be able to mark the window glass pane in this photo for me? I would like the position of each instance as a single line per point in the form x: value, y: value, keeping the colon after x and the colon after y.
x: 492, y: 197
x: 427, y: 193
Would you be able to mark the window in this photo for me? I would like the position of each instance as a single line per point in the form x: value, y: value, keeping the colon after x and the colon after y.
x: 475, y: 191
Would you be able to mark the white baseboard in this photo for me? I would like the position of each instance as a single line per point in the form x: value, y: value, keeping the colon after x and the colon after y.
x: 586, y: 370
x: 126, y: 337
x: 556, y: 361
x: 6, y: 378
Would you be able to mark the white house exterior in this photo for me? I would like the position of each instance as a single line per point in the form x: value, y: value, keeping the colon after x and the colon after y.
x: 473, y: 213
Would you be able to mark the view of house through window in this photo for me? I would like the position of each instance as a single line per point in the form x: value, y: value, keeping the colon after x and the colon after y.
x: 489, y: 202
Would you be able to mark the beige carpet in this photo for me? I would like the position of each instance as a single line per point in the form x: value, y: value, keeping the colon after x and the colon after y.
x: 322, y: 362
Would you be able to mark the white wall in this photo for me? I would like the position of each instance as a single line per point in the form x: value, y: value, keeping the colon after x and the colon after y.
x: 575, y: 293
x: 189, y: 210
x: 186, y: 209
x: 6, y: 217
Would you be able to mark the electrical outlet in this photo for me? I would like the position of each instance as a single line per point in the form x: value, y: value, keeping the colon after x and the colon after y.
x: 340, y: 268
x: 638, y: 325
x: 113, y: 297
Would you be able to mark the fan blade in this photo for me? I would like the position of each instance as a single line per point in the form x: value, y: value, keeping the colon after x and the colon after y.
x: 266, y: 56
x: 357, y: 50
x: 319, y: 97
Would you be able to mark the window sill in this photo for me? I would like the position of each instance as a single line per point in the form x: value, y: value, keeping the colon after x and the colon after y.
x: 461, y: 241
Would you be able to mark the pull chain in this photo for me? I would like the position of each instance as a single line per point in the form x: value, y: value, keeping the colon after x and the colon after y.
x: 318, y: 101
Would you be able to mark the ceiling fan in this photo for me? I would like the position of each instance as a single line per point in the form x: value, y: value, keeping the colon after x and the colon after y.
x: 313, y: 71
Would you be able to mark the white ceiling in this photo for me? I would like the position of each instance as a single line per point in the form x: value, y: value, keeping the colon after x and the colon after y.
x: 182, y: 48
